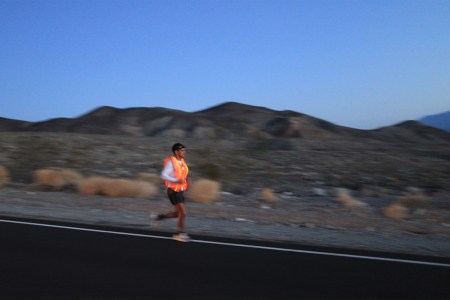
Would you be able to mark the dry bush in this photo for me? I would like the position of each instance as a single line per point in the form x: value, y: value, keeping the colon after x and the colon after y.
x: 396, y: 211
x: 411, y: 200
x: 268, y: 196
x: 117, y: 188
x: 4, y: 176
x: 399, y: 208
x: 343, y: 196
x: 149, y: 177
x: 128, y: 188
x: 92, y: 186
x: 145, y: 190
x: 56, y: 179
x: 203, y: 191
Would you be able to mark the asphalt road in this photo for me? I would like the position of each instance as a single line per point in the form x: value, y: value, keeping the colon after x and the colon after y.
x: 62, y: 262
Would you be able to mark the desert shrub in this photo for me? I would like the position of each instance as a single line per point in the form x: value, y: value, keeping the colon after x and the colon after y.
x: 399, y: 208
x: 117, y: 188
x: 92, y: 186
x: 145, y: 190
x: 396, y: 211
x: 4, y: 176
x: 149, y: 177
x: 203, y: 191
x: 56, y: 179
x: 343, y: 196
x: 267, y: 195
x: 112, y: 187
x: 128, y: 188
x: 411, y: 200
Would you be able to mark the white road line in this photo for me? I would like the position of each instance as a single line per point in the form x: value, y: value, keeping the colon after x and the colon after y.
x: 86, y: 229
x: 417, y: 262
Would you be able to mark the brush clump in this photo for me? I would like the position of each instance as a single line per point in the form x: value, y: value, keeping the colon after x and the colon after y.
x: 56, y: 179
x: 268, y: 196
x: 344, y: 197
x: 203, y: 191
x: 4, y: 176
x: 117, y: 187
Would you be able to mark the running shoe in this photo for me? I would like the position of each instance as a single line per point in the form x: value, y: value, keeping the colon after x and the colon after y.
x: 181, y: 237
x: 155, y: 218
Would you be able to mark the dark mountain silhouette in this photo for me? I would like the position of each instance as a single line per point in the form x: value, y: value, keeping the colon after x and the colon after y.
x: 12, y: 125
x: 228, y: 121
x: 410, y: 131
x: 441, y: 121
x: 263, y: 122
x: 130, y: 121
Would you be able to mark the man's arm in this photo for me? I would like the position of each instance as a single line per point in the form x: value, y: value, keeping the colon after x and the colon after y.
x: 167, y: 173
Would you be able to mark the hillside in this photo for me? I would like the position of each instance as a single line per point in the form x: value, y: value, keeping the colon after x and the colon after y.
x: 12, y: 125
x: 230, y: 120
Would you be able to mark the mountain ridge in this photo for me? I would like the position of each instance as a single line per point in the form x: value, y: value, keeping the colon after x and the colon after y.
x: 228, y: 120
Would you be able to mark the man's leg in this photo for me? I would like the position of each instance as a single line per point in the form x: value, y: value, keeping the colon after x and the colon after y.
x: 174, y: 200
x: 181, y: 211
x: 172, y: 214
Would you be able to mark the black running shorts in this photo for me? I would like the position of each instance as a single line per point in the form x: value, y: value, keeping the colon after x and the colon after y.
x: 175, y: 197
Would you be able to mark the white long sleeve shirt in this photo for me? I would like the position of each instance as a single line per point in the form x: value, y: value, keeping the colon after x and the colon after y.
x: 168, y: 172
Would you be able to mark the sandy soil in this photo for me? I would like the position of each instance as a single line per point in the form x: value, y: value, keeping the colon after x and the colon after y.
x: 311, y: 220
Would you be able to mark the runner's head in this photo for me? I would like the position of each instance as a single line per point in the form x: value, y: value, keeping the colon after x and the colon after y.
x: 177, y: 147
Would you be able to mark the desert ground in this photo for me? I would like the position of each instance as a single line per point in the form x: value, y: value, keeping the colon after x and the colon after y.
x: 360, y: 194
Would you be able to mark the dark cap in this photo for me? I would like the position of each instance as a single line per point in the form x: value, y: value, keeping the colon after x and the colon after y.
x: 177, y: 146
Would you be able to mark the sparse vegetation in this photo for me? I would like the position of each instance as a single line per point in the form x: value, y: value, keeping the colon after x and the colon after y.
x: 92, y: 185
x: 116, y: 187
x: 203, y: 191
x: 396, y: 211
x: 400, y: 208
x: 268, y: 196
x: 298, y: 168
x: 31, y: 152
x: 56, y: 179
x: 411, y: 200
x: 344, y: 197
x: 4, y: 176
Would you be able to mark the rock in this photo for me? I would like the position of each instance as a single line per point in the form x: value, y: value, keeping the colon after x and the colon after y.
x: 320, y: 192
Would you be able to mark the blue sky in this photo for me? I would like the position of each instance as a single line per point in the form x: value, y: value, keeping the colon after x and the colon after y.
x: 362, y: 64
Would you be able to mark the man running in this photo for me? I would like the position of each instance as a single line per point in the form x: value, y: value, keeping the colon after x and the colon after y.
x: 174, y: 174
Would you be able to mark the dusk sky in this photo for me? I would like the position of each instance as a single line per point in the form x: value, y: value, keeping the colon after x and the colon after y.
x: 362, y: 64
